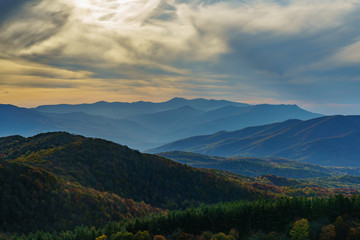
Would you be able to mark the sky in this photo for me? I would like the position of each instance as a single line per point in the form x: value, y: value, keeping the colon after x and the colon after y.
x: 302, y: 52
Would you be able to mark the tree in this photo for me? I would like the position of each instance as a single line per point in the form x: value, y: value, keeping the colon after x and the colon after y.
x: 207, y: 235
x: 341, y: 228
x: 354, y: 233
x: 142, y: 235
x: 123, y: 236
x: 222, y: 236
x: 235, y: 233
x: 274, y: 236
x: 102, y: 237
x: 328, y: 232
x: 300, y: 230
x: 186, y: 236
x: 159, y: 237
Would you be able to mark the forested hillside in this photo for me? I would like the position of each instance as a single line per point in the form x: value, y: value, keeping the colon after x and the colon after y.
x: 256, y: 166
x: 326, y: 141
x: 59, y: 180
x: 56, y: 181
x: 285, y: 218
x: 35, y: 199
x: 110, y: 167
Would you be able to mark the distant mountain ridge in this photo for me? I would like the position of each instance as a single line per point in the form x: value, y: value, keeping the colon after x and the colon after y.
x: 143, y: 125
x: 327, y: 141
x: 15, y: 120
x: 120, y: 110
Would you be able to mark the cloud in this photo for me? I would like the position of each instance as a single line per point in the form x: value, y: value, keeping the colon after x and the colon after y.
x: 347, y: 56
x: 134, y: 32
x: 243, y: 50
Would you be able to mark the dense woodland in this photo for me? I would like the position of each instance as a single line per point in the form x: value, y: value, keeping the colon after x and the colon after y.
x: 56, y: 181
x: 335, y: 217
x: 63, y: 186
x: 32, y: 198
x: 109, y: 167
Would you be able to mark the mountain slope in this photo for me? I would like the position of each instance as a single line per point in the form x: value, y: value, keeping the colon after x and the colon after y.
x: 116, y: 130
x: 109, y: 167
x: 26, y: 122
x: 188, y: 121
x: 232, y: 118
x: 170, y: 121
x: 21, y: 120
x: 57, y: 180
x: 33, y: 198
x: 144, y: 125
x: 328, y: 141
x: 254, y: 166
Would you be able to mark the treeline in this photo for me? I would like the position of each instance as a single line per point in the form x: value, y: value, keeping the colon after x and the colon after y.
x: 261, y: 215
x: 286, y: 218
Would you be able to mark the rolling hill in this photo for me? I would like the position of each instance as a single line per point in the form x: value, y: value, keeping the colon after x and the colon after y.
x: 55, y: 181
x: 327, y: 141
x: 107, y: 166
x: 256, y: 167
x: 58, y: 180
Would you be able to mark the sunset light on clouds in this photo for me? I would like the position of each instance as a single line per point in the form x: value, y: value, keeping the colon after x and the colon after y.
x: 63, y: 51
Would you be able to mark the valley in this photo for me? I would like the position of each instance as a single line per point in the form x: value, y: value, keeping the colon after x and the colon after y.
x: 144, y: 125
x: 69, y: 184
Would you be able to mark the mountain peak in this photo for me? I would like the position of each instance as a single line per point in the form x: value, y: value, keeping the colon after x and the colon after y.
x: 177, y: 100
x: 101, y: 102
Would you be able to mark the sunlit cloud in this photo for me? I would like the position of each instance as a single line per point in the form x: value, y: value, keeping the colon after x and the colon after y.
x: 155, y: 49
x: 348, y: 55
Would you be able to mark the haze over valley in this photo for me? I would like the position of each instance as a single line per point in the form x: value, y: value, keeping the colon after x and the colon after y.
x: 143, y: 125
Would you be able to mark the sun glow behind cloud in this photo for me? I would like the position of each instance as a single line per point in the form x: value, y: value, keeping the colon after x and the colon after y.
x: 250, y: 51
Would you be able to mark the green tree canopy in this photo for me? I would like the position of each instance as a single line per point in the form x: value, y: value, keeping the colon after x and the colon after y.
x: 300, y: 230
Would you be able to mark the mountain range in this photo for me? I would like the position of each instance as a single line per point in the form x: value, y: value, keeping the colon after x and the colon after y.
x: 143, y: 125
x: 327, y: 141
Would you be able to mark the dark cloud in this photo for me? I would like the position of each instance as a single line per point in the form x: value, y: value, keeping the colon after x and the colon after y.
x: 10, y: 7
x: 31, y: 22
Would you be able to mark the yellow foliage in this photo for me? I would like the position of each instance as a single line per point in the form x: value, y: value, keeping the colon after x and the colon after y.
x: 328, y: 232
x: 300, y: 230
x: 102, y: 237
